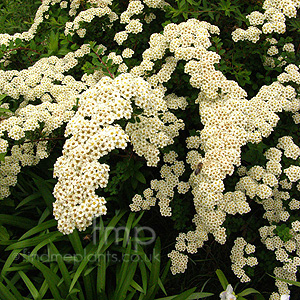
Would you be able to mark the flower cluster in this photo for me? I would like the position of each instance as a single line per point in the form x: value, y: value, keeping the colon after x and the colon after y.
x: 164, y: 188
x: 273, y: 194
x: 37, y: 83
x: 102, y: 114
x: 238, y: 259
x: 93, y: 135
x: 272, y: 20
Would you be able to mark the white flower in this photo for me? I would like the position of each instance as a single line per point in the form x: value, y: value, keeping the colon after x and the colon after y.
x: 228, y: 294
x: 285, y: 297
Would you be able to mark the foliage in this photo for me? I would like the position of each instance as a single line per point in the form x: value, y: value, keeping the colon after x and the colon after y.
x: 38, y: 261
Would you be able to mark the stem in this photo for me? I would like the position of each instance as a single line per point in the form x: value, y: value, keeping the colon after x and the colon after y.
x: 23, y: 48
x: 111, y: 75
x: 46, y: 139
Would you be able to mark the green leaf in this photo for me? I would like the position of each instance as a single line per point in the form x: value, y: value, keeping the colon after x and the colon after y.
x: 32, y: 289
x: 222, y: 279
x: 184, y: 295
x: 46, y: 193
x: 2, y: 156
x: 82, y: 266
x: 53, y: 42
x: 134, y: 183
x: 101, y: 274
x: 4, y: 235
x: 154, y: 271
x: 2, y: 97
x: 51, y: 278
x: 296, y: 283
x: 140, y: 177
x: 144, y: 274
x: 194, y: 296
x: 126, y: 278
x: 51, y: 236
x: 11, y: 258
x: 13, y: 289
x: 17, y: 221
x: 39, y: 228
x: 29, y: 198
x: 248, y: 292
x: 5, y: 294
x: 76, y: 242
x: 137, y: 287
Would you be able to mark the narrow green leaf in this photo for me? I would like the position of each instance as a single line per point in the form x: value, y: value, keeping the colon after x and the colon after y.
x: 104, y: 233
x: 296, y: 283
x: 51, y: 278
x: 194, y: 296
x: 222, y: 279
x: 11, y: 258
x: 76, y: 242
x: 62, y: 266
x: 82, y: 266
x: 17, y: 221
x: 137, y: 287
x: 127, y: 281
x: 46, y: 193
x: 185, y: 295
x: 13, y: 289
x: 32, y: 289
x: 39, y: 228
x: 28, y: 199
x: 4, y: 235
x: 123, y: 273
x: 101, y: 274
x: 140, y: 177
x: 51, y: 236
x: 2, y: 97
x: 144, y: 275
x: 128, y: 228
x: 5, y: 294
x: 248, y: 292
x: 136, y: 221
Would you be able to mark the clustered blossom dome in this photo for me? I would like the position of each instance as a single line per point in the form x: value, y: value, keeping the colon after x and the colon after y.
x: 48, y: 95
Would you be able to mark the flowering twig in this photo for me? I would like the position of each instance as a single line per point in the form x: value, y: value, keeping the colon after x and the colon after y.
x: 46, y: 139
x: 23, y: 48
x: 102, y: 62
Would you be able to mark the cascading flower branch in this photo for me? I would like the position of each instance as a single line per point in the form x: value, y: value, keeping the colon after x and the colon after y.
x: 139, y: 98
x: 93, y: 134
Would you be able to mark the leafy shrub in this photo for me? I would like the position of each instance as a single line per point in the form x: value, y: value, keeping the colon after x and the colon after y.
x: 177, y: 103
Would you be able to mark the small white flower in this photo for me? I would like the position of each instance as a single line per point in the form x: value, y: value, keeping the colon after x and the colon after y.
x: 228, y: 294
x: 285, y: 297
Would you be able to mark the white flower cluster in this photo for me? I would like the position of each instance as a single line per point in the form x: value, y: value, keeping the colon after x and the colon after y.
x: 87, y: 16
x: 291, y: 150
x: 285, y: 253
x: 151, y: 132
x: 33, y: 84
x: 272, y: 20
x: 164, y: 188
x: 135, y: 26
x: 273, y: 197
x: 239, y: 260
x: 230, y: 121
x: 274, y: 50
x: 179, y: 262
x: 5, y: 38
x: 93, y: 135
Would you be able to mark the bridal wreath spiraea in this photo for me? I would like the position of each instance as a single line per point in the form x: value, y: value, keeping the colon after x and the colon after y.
x: 48, y: 95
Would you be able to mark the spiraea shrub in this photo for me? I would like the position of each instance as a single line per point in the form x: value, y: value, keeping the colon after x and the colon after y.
x: 192, y: 107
